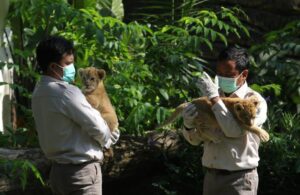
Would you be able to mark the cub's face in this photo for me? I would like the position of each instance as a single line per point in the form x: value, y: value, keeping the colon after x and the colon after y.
x: 91, y: 77
x: 246, y: 111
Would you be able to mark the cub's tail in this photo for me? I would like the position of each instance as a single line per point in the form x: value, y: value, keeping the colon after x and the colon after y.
x: 174, y: 115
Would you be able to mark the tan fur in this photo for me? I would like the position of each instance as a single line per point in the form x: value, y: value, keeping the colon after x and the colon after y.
x: 95, y: 93
x: 243, y: 110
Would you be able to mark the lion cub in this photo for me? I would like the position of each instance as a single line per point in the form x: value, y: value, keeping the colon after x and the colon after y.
x: 243, y: 110
x: 95, y: 93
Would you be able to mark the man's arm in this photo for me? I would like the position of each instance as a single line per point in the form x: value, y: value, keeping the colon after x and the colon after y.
x: 228, y: 124
x: 189, y: 132
x: 225, y: 119
x: 82, y: 113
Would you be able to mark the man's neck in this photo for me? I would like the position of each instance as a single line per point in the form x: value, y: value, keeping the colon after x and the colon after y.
x: 227, y: 94
x: 51, y: 74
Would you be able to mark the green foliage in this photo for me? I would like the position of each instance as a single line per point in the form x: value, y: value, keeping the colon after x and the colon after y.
x: 164, y: 12
x: 169, y: 11
x: 184, y: 174
x: 278, y: 62
x: 20, y: 170
x: 114, y: 7
x: 280, y: 156
x: 271, y: 87
x: 16, y: 138
x: 149, y: 68
x: 277, y: 71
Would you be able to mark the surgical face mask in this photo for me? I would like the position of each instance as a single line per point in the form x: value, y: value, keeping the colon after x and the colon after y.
x: 228, y: 85
x: 68, y: 73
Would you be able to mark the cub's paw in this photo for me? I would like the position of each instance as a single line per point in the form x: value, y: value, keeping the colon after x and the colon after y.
x: 264, y: 136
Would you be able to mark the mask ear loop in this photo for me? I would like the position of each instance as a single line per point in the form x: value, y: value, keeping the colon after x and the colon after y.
x: 238, y: 78
x: 56, y: 72
x: 240, y: 75
x: 216, y: 80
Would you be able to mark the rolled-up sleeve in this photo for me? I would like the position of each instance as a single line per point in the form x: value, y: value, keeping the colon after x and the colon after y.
x: 89, y: 119
x: 229, y: 125
x: 227, y: 122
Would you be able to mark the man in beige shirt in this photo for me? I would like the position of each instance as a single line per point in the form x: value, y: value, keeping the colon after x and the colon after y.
x: 71, y: 133
x: 231, y: 163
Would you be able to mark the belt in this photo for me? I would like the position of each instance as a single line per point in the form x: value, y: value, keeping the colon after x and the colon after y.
x: 73, y: 164
x: 226, y: 172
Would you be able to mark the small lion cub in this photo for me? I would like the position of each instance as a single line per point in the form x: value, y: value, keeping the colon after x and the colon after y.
x: 243, y: 110
x: 95, y: 93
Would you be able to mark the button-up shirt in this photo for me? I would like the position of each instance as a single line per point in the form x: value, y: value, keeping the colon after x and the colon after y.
x: 69, y: 129
x: 237, y: 149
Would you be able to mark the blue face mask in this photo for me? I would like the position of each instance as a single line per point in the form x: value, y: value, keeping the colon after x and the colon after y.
x: 69, y: 72
x: 228, y: 85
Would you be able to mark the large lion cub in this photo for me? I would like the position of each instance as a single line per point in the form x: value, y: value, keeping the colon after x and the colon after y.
x: 243, y: 110
x: 95, y: 93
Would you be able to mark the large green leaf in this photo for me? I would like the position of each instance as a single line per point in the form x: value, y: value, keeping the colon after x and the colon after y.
x: 160, y: 12
x: 114, y: 7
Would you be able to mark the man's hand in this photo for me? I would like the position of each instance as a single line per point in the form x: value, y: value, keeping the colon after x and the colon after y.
x: 207, y: 86
x: 189, y: 114
x: 114, y: 137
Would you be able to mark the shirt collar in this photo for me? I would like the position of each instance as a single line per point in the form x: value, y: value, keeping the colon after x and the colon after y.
x: 48, y: 79
x: 240, y: 92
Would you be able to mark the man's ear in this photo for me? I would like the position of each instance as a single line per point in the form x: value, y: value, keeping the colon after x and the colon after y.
x: 101, y: 74
x: 80, y: 72
x: 51, y: 66
x: 245, y: 73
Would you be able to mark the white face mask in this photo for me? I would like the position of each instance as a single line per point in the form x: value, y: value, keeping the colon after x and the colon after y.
x: 68, y: 73
x: 227, y: 84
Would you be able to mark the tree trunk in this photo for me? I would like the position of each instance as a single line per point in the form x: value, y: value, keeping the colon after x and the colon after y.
x: 6, y: 74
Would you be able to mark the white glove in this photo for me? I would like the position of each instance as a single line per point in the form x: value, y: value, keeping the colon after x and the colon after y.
x: 189, y: 114
x: 114, y: 137
x: 207, y: 86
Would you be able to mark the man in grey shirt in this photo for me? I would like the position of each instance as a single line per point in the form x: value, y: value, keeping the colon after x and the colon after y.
x: 71, y: 133
x: 231, y: 163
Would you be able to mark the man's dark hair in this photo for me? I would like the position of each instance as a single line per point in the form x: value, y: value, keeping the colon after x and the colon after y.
x: 238, y: 54
x: 52, y: 49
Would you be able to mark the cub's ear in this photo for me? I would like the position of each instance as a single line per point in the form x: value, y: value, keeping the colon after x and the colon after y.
x: 254, y: 100
x: 80, y: 72
x: 256, y: 103
x: 238, y: 107
x: 101, y: 74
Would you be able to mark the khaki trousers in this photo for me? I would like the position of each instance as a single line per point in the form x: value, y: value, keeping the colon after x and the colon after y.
x: 230, y: 182
x: 83, y: 179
